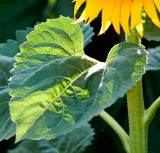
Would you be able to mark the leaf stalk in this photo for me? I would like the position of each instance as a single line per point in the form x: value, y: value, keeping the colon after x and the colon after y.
x: 117, y: 128
x: 150, y: 112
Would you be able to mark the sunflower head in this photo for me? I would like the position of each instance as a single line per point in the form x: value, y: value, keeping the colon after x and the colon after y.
x: 118, y: 12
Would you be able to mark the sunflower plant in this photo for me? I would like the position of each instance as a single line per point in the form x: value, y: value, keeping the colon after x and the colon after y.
x: 50, y: 89
x: 128, y: 14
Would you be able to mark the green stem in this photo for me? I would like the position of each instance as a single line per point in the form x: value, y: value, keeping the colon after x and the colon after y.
x: 117, y: 128
x: 152, y: 110
x: 138, y: 130
x: 137, y: 127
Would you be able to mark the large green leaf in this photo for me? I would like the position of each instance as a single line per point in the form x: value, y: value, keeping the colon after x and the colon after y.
x: 74, y: 142
x: 54, y: 91
x: 153, y: 59
x: 7, y: 51
x: 48, y: 85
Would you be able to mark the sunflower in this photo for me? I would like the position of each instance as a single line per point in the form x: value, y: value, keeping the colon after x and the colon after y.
x: 118, y: 12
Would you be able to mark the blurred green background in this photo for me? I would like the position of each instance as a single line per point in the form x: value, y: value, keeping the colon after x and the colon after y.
x: 19, y: 14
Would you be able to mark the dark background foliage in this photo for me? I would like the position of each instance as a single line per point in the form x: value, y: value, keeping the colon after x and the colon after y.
x: 19, y: 14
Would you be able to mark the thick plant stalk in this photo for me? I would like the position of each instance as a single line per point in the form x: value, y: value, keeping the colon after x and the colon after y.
x: 137, y: 126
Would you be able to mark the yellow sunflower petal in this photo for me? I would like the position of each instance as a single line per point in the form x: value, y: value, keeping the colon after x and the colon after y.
x: 77, y: 6
x: 125, y: 14
x: 81, y: 18
x: 94, y: 10
x: 151, y: 11
x: 118, y: 12
x: 157, y: 3
x: 102, y: 30
x: 115, y: 17
x: 139, y: 27
x: 106, y: 13
x: 136, y: 11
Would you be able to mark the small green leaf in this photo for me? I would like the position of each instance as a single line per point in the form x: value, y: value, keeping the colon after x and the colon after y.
x: 21, y: 35
x: 151, y: 31
x: 153, y: 59
x: 87, y: 33
x: 10, y: 48
x: 55, y: 92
